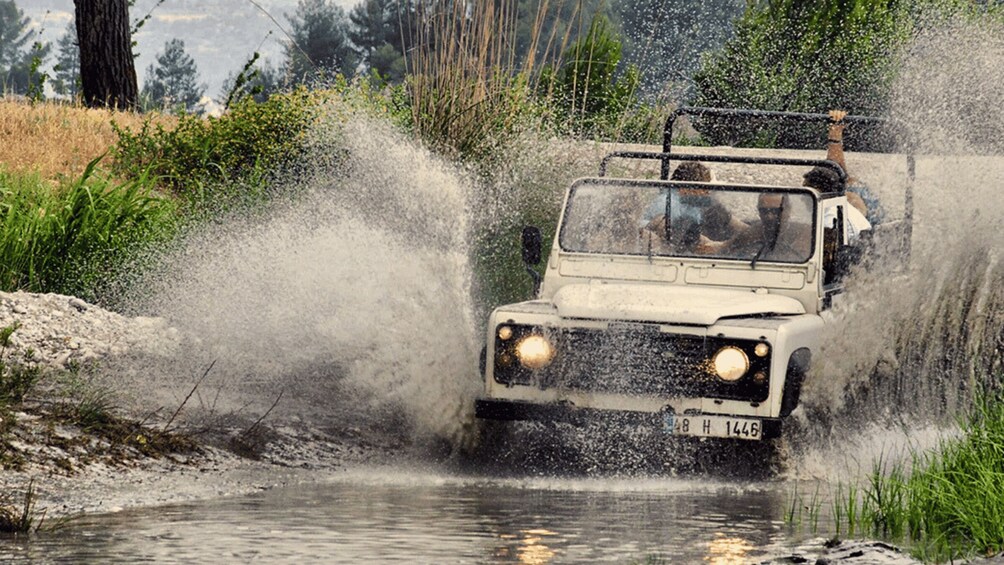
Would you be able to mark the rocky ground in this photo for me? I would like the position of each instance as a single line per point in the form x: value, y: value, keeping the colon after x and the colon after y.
x: 83, y: 453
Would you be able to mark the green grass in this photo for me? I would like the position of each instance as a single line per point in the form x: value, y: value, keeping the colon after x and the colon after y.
x: 73, y: 239
x: 944, y: 504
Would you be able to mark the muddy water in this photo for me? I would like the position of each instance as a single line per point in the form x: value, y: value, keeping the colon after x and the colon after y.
x: 381, y: 516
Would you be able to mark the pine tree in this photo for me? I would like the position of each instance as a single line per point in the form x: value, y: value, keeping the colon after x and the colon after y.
x: 18, y: 59
x: 66, y: 73
x: 107, y: 67
x: 171, y: 83
x: 383, y: 31
x: 321, y: 45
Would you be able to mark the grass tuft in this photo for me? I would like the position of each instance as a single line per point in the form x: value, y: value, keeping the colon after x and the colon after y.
x: 946, y: 503
x: 23, y: 517
x: 74, y: 238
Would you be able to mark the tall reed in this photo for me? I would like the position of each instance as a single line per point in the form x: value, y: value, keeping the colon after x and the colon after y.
x: 466, y: 83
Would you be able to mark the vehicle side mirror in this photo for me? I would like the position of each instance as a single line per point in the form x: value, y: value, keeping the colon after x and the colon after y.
x: 531, y: 245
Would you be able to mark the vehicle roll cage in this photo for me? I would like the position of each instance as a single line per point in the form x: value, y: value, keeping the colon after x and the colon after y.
x: 667, y: 155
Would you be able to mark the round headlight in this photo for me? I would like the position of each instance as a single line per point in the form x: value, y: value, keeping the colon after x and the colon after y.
x: 534, y: 352
x: 730, y: 363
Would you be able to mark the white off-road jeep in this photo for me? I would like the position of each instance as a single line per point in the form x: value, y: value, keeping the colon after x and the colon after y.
x: 704, y: 325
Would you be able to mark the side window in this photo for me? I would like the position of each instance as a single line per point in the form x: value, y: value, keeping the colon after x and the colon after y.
x: 833, y: 240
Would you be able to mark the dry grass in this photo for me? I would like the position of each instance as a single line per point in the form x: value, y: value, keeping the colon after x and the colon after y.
x: 55, y: 140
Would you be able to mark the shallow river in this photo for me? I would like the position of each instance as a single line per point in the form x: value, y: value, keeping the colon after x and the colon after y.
x: 384, y: 516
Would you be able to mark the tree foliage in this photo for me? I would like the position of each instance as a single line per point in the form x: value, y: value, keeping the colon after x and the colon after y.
x: 320, y: 44
x: 257, y: 80
x: 19, y: 56
x: 802, y: 55
x: 588, y: 91
x: 383, y: 32
x: 665, y: 39
x: 172, y: 83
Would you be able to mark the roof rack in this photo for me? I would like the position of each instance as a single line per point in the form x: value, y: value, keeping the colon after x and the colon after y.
x: 667, y: 155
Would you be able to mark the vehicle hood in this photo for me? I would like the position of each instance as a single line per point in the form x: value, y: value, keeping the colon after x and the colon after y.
x: 667, y: 304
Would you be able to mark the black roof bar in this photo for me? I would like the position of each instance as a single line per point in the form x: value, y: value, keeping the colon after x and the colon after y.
x: 667, y: 132
x: 667, y: 146
x: 666, y: 157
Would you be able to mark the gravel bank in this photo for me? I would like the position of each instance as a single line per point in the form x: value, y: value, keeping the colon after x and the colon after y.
x: 75, y: 469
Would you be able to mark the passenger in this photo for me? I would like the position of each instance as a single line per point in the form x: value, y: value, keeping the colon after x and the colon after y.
x: 827, y: 180
x: 773, y: 237
x: 858, y: 194
x: 697, y: 216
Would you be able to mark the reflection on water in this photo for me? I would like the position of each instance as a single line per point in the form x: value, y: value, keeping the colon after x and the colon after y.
x: 369, y: 517
x: 728, y: 550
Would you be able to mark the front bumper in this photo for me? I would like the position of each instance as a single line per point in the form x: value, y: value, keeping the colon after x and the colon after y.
x: 492, y: 409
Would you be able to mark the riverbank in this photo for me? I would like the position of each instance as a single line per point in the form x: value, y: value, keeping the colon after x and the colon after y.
x: 81, y: 449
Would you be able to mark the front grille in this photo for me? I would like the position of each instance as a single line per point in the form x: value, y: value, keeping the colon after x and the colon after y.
x: 633, y: 361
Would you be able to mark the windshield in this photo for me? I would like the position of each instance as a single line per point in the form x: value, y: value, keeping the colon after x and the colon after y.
x: 708, y: 221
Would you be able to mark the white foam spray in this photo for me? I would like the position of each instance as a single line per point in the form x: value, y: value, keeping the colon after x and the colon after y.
x: 352, y: 300
x: 911, y: 347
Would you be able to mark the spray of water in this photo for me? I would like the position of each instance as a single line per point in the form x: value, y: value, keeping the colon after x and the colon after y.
x: 914, y: 345
x: 351, y: 300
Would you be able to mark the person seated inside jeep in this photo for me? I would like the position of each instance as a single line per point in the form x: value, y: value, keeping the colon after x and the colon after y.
x: 697, y: 216
x: 772, y: 237
x: 827, y: 180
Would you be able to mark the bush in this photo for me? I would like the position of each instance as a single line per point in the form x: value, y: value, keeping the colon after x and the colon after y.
x: 16, y: 376
x: 590, y: 96
x: 247, y: 146
x: 74, y: 239
x: 806, y: 57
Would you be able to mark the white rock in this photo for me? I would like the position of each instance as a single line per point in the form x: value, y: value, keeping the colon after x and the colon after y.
x: 79, y: 304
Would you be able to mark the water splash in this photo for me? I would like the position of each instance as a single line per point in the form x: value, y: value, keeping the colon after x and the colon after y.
x: 352, y: 300
x: 914, y: 345
x: 355, y: 299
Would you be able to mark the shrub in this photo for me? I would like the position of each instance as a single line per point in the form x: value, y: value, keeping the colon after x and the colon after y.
x: 74, y: 239
x: 246, y: 146
x: 806, y: 57
x: 588, y: 92
x: 16, y: 378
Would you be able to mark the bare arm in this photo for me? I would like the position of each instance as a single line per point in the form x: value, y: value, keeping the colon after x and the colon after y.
x: 835, y: 139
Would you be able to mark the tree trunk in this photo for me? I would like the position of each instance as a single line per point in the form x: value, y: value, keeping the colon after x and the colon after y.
x: 107, y: 69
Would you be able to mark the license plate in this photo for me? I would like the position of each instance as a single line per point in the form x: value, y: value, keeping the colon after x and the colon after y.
x: 712, y: 426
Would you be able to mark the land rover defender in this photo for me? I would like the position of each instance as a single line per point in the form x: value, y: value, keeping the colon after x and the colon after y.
x: 646, y: 316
